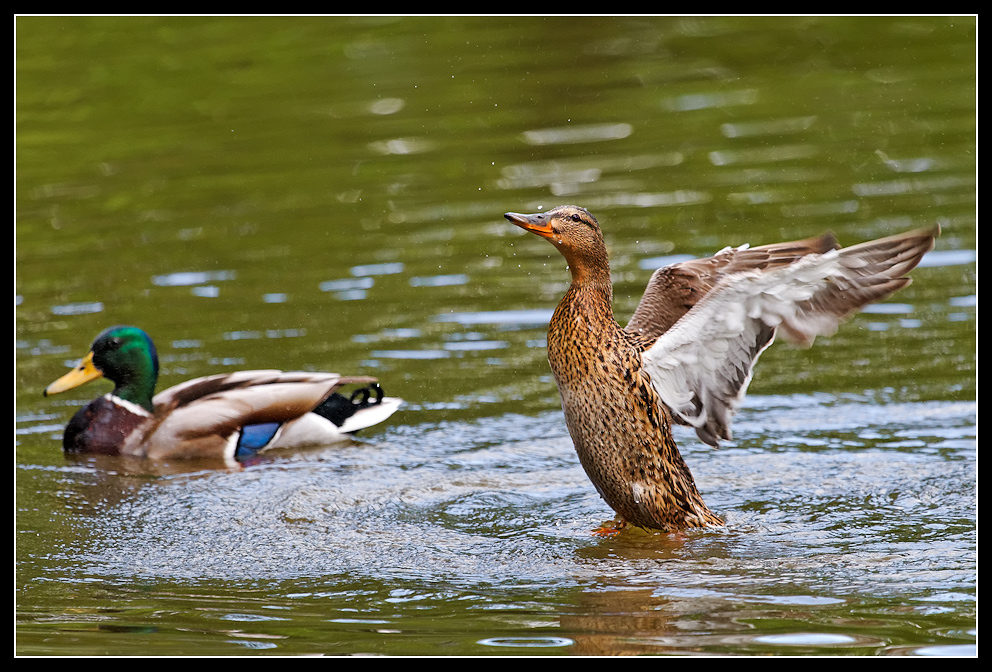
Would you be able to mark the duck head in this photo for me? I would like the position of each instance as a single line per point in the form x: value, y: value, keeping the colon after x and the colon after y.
x: 124, y: 355
x: 576, y: 234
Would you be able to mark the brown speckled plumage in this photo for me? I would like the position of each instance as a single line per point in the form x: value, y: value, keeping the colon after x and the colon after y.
x: 621, y: 389
x: 621, y: 432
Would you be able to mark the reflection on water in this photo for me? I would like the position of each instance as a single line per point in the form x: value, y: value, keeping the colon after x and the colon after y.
x: 327, y: 194
x: 503, y: 318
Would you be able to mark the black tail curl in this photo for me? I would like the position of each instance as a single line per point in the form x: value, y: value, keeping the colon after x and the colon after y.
x: 337, y: 408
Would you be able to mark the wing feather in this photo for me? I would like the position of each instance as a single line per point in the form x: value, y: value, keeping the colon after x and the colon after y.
x: 205, y: 413
x: 702, y: 363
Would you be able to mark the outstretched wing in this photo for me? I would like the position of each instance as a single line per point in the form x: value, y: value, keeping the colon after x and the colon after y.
x: 702, y: 363
x: 673, y: 290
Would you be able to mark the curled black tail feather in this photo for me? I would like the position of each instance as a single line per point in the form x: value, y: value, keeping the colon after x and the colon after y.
x: 337, y: 408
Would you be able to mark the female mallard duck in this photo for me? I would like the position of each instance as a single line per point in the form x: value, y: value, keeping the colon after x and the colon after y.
x: 689, y: 350
x: 233, y: 415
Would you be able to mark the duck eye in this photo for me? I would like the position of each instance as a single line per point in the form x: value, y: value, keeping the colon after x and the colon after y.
x: 576, y: 218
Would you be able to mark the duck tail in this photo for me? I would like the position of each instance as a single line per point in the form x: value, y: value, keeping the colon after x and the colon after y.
x: 365, y: 407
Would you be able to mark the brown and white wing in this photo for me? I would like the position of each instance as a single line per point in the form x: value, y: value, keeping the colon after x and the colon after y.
x: 205, y: 413
x: 702, y: 365
x: 674, y: 290
x: 198, y: 388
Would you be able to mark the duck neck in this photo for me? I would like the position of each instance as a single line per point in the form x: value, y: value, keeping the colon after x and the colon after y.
x: 593, y: 301
x: 134, y: 372
x: 137, y: 390
x: 591, y: 289
x: 588, y: 264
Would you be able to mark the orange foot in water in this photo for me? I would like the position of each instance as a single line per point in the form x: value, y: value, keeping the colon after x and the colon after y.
x: 610, y: 530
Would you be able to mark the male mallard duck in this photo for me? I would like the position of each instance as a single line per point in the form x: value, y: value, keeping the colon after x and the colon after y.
x: 228, y: 415
x: 689, y: 350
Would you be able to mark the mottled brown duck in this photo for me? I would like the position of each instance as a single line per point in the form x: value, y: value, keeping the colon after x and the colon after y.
x: 227, y: 416
x: 688, y: 353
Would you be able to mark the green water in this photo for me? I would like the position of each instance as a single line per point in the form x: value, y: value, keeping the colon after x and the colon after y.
x: 327, y: 194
